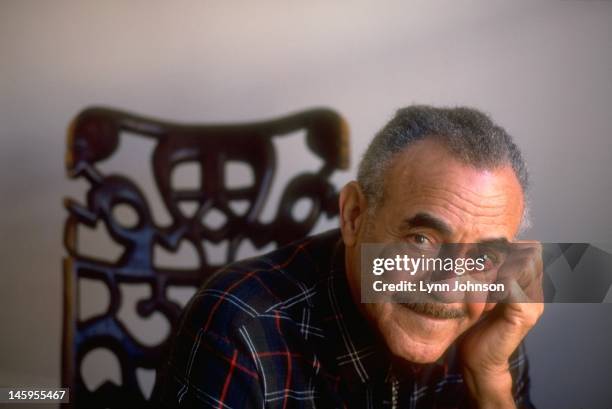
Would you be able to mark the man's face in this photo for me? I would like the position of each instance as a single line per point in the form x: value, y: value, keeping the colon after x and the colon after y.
x: 430, y: 198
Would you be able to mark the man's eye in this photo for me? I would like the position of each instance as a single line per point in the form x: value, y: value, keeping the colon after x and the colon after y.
x: 421, y: 242
x: 491, y: 260
x: 420, y: 239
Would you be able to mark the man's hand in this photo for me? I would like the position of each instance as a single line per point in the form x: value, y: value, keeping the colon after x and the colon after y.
x: 486, y: 348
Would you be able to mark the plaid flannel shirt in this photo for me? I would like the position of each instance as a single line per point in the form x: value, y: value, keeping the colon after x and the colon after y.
x: 282, y: 331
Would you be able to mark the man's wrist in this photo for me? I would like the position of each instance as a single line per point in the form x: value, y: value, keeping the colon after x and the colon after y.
x: 490, y: 389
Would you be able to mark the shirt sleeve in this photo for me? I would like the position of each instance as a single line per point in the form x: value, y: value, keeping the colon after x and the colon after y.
x: 207, y: 370
x: 519, y: 367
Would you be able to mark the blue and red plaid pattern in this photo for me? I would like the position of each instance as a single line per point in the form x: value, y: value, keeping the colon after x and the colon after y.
x: 282, y: 331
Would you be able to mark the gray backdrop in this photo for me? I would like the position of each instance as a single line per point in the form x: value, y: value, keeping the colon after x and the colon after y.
x: 542, y: 69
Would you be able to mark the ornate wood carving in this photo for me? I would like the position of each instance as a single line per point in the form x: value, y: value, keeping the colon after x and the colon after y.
x: 94, y: 136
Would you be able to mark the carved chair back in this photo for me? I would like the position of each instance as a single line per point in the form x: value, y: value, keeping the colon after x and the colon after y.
x: 94, y: 136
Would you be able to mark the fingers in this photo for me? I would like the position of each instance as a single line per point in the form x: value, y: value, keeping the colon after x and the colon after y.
x: 523, y: 266
x: 523, y: 314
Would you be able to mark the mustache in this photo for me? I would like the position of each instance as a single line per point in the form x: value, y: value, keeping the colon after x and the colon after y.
x: 436, y: 310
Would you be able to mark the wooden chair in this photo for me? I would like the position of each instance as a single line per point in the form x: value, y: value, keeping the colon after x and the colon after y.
x: 94, y: 136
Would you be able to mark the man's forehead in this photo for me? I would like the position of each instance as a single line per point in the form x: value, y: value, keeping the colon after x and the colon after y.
x: 430, y: 164
x: 427, y: 174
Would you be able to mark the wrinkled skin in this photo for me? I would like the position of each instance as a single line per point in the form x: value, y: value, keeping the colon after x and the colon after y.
x: 469, y: 205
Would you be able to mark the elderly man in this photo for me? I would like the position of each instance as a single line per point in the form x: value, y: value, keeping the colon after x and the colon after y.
x: 288, y: 329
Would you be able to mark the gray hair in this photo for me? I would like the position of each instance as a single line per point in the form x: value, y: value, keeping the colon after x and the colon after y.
x: 468, y: 133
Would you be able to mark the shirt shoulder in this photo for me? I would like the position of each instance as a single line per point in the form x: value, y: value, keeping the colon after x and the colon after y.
x: 263, y: 286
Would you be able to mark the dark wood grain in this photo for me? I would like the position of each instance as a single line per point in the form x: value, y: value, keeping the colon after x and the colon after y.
x: 94, y: 136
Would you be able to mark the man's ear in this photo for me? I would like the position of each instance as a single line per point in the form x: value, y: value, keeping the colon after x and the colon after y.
x: 353, y: 207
